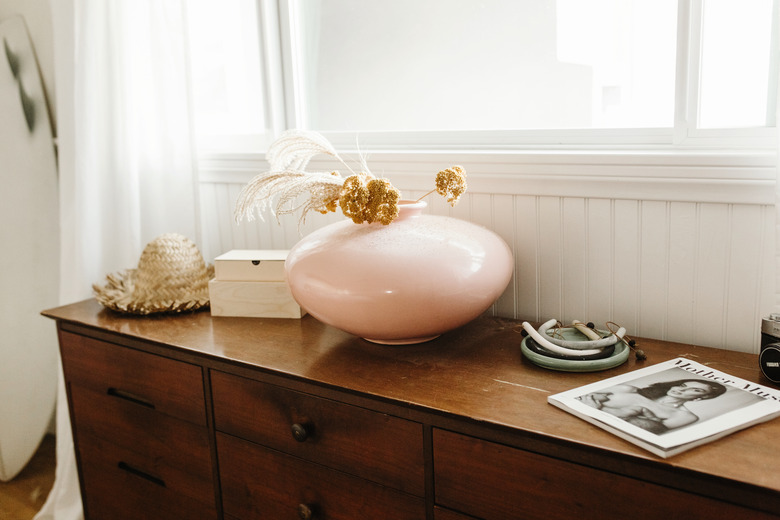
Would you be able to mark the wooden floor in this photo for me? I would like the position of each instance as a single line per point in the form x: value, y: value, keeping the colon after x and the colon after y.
x: 24, y: 495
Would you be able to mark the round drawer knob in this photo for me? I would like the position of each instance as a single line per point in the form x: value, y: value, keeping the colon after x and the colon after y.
x: 301, y: 432
x: 305, y: 512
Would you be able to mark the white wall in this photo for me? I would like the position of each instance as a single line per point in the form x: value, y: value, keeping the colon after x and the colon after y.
x: 37, y: 16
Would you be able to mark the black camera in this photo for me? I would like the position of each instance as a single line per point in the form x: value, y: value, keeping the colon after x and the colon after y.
x: 769, y: 358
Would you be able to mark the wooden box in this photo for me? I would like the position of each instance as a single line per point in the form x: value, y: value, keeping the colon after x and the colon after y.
x: 251, y: 265
x: 253, y: 299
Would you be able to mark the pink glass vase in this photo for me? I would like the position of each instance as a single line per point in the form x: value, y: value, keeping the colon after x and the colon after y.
x: 402, y: 283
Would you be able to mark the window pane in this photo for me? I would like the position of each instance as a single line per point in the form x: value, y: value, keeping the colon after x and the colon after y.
x: 374, y: 65
x: 226, y: 68
x: 735, y: 63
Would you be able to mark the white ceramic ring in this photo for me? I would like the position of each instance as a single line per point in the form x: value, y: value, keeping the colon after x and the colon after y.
x: 538, y: 338
x: 581, y: 345
x: 590, y: 333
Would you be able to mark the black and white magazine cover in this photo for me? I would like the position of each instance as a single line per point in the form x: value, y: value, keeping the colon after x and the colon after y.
x: 671, y: 407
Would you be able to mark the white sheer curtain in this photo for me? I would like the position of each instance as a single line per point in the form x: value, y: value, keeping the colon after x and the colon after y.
x: 125, y: 157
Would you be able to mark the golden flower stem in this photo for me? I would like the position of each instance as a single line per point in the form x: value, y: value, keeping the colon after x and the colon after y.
x: 421, y: 198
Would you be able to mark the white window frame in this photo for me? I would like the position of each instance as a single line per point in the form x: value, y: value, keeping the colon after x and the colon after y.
x: 682, y: 163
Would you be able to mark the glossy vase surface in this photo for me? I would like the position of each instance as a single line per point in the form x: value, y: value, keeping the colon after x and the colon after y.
x: 402, y: 283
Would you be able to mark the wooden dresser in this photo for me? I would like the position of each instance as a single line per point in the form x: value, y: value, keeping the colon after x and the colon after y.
x: 193, y: 416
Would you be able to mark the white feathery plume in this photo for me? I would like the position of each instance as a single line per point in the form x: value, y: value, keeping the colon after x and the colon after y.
x: 287, y: 179
x: 295, y: 148
x: 287, y: 185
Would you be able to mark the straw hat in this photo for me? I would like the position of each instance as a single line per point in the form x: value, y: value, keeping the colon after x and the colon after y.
x: 171, y: 277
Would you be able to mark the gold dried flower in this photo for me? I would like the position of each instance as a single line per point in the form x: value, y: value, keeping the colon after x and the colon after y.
x: 354, y: 196
x: 451, y: 183
x: 382, y: 201
x: 366, y: 199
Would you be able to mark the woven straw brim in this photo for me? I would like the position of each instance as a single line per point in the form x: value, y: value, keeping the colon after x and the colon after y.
x: 120, y: 295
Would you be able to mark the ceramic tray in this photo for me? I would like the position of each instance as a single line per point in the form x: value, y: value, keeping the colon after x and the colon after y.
x: 618, y: 357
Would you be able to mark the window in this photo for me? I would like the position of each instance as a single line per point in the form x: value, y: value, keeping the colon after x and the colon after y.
x: 488, y: 73
x: 736, y: 64
x: 469, y: 65
x: 227, y: 76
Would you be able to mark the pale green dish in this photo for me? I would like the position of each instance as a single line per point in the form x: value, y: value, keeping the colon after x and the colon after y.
x: 572, y: 365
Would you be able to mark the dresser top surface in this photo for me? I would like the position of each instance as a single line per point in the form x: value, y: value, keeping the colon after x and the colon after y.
x: 476, y: 372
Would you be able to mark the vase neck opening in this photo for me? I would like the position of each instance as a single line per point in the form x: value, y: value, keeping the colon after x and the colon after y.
x: 410, y: 208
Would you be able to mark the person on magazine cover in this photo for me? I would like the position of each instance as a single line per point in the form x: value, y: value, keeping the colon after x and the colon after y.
x: 657, y: 408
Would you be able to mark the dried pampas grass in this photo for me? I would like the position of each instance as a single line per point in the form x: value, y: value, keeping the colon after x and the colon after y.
x: 361, y: 196
x: 287, y: 186
x: 288, y: 181
x: 295, y: 148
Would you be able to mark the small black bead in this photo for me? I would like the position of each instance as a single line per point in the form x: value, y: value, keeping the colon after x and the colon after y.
x: 631, y: 343
x: 590, y: 325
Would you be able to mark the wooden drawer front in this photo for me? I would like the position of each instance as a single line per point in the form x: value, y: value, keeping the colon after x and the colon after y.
x: 166, y: 385
x: 123, y: 485
x: 261, y: 483
x: 439, y: 513
x: 375, y: 446
x: 170, y: 441
x: 493, y: 481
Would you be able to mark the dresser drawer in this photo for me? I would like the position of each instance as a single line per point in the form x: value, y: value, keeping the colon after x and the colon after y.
x: 371, y: 445
x: 166, y: 385
x: 167, y: 441
x: 439, y: 513
x: 258, y: 482
x: 493, y: 481
x: 127, y: 485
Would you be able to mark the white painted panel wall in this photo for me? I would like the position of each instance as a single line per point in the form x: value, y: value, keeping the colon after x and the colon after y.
x: 693, y: 272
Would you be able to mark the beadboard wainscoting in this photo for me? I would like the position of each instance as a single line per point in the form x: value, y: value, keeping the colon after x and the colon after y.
x: 689, y: 258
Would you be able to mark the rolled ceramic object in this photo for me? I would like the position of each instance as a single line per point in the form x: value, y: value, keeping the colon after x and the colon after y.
x: 581, y: 345
x: 542, y: 339
x: 531, y: 345
x: 590, y: 333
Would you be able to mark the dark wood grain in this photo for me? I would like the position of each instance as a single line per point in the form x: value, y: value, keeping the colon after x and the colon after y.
x: 440, y: 513
x: 140, y: 432
x: 172, y: 449
x: 117, y: 494
x: 168, y: 386
x: 375, y: 446
x: 261, y: 483
x: 496, y: 482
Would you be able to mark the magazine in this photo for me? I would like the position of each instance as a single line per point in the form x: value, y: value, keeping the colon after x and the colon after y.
x: 671, y: 407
